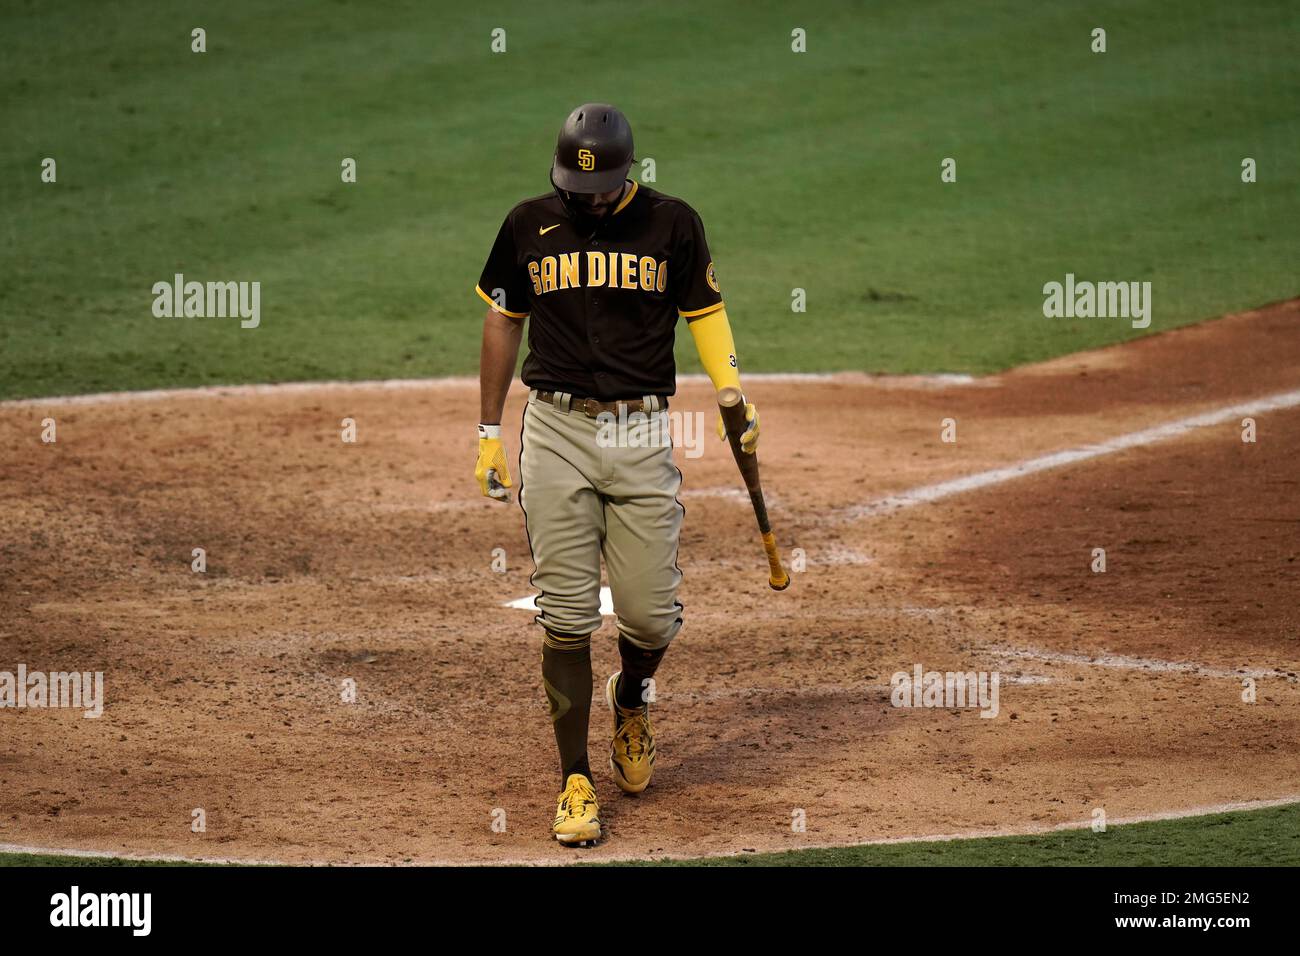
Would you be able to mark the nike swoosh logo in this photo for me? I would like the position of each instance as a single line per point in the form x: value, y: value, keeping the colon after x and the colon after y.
x: 542, y: 232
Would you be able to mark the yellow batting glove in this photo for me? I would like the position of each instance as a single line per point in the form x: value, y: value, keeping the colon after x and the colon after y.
x: 492, y: 472
x: 749, y: 437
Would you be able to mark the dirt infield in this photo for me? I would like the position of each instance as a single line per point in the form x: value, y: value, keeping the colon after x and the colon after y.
x: 372, y: 561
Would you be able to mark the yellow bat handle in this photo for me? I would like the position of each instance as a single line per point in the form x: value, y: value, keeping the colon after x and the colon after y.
x: 778, y: 579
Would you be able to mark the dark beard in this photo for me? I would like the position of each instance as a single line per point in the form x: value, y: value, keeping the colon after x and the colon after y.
x: 586, y: 223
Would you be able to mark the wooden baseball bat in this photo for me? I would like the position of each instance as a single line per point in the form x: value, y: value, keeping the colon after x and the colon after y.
x: 731, y: 402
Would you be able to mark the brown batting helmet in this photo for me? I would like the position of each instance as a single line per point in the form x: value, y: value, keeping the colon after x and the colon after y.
x: 594, y: 151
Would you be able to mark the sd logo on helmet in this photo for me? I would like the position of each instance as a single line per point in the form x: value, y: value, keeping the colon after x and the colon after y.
x: 594, y: 151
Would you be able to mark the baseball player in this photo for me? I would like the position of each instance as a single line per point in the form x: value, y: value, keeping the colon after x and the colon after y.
x: 602, y: 267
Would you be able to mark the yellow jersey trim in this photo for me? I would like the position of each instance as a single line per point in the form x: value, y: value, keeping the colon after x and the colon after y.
x: 496, y: 308
x: 628, y: 198
x: 698, y: 312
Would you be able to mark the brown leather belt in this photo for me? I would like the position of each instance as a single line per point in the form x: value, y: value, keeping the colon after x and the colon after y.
x: 591, y: 407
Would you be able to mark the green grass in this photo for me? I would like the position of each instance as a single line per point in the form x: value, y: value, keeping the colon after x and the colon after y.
x: 1268, y: 837
x: 816, y: 170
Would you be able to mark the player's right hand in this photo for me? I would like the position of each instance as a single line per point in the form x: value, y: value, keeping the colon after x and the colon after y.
x: 492, y: 472
x: 749, y: 437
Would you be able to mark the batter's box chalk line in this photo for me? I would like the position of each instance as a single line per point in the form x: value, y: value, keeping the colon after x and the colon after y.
x: 1126, y: 662
x: 995, y: 476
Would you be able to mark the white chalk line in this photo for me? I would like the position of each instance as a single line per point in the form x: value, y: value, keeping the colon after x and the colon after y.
x: 737, y: 495
x: 936, y: 380
x: 1018, y: 831
x: 1008, y: 831
x: 149, y: 857
x: 1125, y: 662
x: 865, y: 689
x: 984, y: 479
x: 839, y: 555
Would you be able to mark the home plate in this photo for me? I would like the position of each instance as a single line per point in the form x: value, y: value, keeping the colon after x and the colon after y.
x: 530, y: 603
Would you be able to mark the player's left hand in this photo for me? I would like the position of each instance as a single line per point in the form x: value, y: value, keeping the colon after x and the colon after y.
x: 749, y: 437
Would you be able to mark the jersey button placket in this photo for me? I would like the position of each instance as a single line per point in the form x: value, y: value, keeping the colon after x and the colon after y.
x: 593, y: 317
x: 594, y: 310
x: 593, y: 320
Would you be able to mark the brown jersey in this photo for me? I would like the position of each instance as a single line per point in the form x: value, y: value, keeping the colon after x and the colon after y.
x: 603, y: 305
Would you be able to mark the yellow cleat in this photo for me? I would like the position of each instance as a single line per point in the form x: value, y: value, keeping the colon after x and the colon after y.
x: 577, y: 815
x: 632, y: 751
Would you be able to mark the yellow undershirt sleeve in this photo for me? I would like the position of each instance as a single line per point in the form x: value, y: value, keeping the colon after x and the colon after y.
x: 712, y: 334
